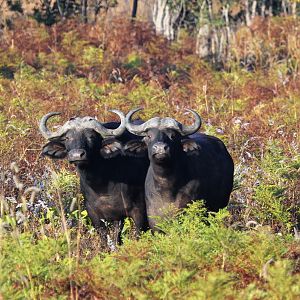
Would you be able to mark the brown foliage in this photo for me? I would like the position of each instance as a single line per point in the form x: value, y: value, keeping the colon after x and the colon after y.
x: 247, y: 108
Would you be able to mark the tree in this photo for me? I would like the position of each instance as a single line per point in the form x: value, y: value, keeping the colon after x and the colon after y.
x: 166, y: 17
x: 134, y: 9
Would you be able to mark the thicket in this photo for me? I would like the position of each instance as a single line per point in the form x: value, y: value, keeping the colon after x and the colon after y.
x: 48, y: 249
x: 197, y: 258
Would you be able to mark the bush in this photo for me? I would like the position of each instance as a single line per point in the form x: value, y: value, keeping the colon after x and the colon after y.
x: 197, y: 257
x: 48, y: 249
x: 274, y: 201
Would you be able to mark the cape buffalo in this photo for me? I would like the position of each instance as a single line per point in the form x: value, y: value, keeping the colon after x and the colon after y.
x: 184, y: 165
x: 112, y: 184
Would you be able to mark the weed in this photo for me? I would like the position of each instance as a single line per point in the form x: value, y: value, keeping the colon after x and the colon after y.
x: 48, y: 248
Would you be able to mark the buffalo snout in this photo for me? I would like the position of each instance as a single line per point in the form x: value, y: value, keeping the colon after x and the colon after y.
x: 160, y: 150
x: 77, y: 155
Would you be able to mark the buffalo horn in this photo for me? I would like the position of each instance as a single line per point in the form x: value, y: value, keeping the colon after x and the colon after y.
x: 81, y: 123
x: 135, y: 129
x: 162, y: 123
x: 47, y: 134
x: 188, y: 130
x: 105, y: 132
x: 72, y: 123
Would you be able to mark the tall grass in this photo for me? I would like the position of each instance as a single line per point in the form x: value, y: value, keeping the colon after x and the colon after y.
x: 48, y: 248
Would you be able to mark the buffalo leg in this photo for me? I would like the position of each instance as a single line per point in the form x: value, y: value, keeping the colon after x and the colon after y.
x: 102, y: 229
x: 140, y: 221
x: 114, y: 236
x: 118, y: 227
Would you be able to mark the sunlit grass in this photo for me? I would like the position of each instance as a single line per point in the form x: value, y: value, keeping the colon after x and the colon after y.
x: 48, y: 248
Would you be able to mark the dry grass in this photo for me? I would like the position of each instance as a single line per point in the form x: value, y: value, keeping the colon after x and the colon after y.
x: 255, y: 113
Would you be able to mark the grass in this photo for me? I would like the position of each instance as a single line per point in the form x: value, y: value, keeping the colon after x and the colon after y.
x: 198, y: 257
x: 48, y: 248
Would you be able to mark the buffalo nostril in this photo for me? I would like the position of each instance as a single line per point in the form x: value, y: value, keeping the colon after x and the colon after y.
x: 77, y: 155
x: 160, y: 147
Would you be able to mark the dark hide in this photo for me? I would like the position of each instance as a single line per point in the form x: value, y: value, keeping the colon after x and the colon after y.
x: 184, y: 169
x: 112, y: 184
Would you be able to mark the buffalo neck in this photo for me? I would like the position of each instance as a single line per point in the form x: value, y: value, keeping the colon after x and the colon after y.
x: 167, y: 174
x: 94, y: 174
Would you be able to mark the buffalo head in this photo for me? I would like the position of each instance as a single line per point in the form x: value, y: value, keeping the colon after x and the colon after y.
x: 81, y: 140
x: 163, y: 138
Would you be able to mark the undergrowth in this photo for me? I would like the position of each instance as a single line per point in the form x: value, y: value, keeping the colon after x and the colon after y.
x: 48, y: 248
x: 198, y: 257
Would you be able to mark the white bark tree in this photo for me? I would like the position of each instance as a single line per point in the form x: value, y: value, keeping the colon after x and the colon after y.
x: 203, y: 42
x: 215, y: 32
x: 165, y: 18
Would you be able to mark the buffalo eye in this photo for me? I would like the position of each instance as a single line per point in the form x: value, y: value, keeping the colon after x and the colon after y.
x: 147, y: 137
x: 150, y: 135
x: 64, y: 139
x: 172, y: 135
x: 90, y: 137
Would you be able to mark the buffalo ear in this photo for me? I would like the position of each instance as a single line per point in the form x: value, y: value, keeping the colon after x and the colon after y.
x: 111, y: 148
x: 190, y: 146
x: 135, y: 148
x: 54, y: 150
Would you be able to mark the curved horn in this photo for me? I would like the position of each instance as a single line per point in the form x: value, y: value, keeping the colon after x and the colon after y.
x: 188, y: 130
x: 43, y: 125
x: 105, y: 132
x: 135, y: 129
x: 162, y: 123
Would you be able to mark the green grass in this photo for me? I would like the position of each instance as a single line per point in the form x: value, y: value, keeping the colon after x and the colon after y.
x: 249, y: 251
x: 198, y: 257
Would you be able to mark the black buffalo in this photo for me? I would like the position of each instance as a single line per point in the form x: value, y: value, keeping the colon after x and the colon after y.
x: 112, y: 185
x: 184, y: 165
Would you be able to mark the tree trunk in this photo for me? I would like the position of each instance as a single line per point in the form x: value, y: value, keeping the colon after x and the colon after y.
x: 247, y: 13
x: 60, y: 9
x: 294, y: 9
x: 283, y: 7
x: 227, y: 33
x: 97, y: 9
x: 203, y: 45
x: 270, y: 8
x: 134, y: 9
x: 203, y: 42
x: 84, y: 4
x: 210, y: 12
x: 290, y: 7
x: 212, y: 39
x: 253, y: 10
x: 165, y: 19
x: 263, y: 9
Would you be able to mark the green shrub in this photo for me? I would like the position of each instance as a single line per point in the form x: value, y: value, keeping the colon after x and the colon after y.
x: 154, y: 99
x: 197, y: 257
x: 271, y: 193
x: 133, y: 61
x: 66, y: 185
x: 92, y: 57
x: 280, y: 282
x: 27, y: 266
